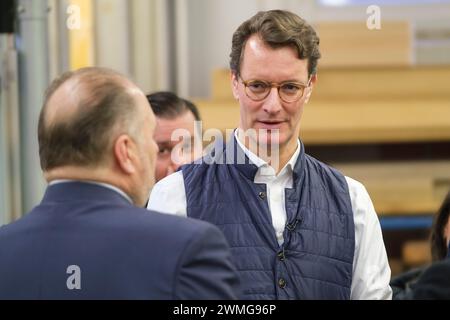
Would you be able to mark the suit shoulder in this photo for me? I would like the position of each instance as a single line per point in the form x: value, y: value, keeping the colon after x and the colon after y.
x: 19, y: 224
x: 180, y: 223
x: 174, y: 225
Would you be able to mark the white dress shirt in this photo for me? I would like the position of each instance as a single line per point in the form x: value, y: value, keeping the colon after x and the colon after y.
x: 371, y: 272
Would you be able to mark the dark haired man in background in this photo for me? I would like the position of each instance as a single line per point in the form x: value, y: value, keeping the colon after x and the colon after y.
x: 173, y: 113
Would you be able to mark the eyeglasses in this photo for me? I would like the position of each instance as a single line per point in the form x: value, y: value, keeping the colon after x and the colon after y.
x: 289, y: 91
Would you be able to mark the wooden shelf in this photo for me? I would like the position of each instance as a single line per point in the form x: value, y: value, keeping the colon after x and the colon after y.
x: 416, y: 253
x: 376, y: 121
x: 352, y: 122
x: 406, y: 187
x: 351, y: 43
x: 364, y: 83
x: 395, y: 83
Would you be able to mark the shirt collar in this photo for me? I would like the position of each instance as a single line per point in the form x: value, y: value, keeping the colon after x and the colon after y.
x: 263, y: 166
x: 106, y: 185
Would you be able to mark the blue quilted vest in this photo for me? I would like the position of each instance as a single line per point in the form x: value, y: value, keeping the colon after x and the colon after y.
x: 316, y: 258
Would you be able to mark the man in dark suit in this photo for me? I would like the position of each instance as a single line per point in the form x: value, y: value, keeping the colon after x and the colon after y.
x: 88, y: 239
x: 433, y: 283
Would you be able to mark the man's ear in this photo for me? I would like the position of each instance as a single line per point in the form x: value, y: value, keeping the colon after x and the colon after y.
x: 309, y: 90
x: 125, y: 154
x: 234, y: 85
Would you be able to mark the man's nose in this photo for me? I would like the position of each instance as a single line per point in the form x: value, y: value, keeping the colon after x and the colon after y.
x: 272, y: 103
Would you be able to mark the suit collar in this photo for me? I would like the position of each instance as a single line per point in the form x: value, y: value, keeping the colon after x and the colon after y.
x: 83, y: 191
x: 106, y: 185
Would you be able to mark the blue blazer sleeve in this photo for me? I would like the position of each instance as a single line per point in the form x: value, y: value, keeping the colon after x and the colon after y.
x: 205, y: 270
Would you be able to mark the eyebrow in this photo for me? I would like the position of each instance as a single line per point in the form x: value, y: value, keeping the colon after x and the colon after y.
x: 285, y: 81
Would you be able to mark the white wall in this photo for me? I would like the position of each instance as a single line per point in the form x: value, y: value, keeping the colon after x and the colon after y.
x: 10, y: 160
x: 113, y: 40
x: 211, y: 25
x: 132, y: 38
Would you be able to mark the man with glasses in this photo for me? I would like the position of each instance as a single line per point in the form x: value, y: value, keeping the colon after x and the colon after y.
x: 298, y: 229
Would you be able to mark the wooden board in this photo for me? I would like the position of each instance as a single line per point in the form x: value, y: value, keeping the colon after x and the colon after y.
x: 402, y: 187
x: 344, y: 44
x: 432, y: 82
x: 221, y: 85
x: 383, y: 83
x: 352, y: 122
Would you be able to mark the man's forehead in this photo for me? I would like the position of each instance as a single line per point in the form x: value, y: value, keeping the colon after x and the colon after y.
x: 165, y: 127
x: 282, y: 62
x: 186, y: 119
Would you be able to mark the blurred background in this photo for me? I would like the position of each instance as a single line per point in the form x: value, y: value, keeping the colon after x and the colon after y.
x: 380, y: 111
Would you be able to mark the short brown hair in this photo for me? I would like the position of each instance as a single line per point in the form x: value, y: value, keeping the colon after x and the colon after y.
x: 278, y: 29
x: 84, y: 139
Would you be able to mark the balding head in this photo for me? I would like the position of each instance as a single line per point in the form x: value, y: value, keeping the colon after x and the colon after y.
x: 97, y: 125
x: 82, y: 111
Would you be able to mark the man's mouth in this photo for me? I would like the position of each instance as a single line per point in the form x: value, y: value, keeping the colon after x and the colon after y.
x: 270, y: 124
